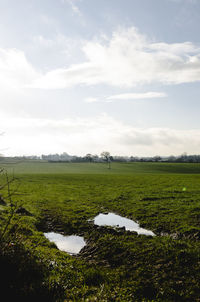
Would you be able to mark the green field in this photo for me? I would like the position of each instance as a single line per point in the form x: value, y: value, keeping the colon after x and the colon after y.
x: 44, y: 167
x: 115, y: 265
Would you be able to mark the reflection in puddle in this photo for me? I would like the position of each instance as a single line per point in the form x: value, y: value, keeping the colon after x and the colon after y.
x: 70, y: 244
x: 112, y: 219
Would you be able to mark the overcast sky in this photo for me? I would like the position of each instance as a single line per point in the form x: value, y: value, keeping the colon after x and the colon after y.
x: 82, y: 76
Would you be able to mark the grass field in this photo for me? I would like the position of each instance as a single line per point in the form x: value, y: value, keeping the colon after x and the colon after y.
x: 115, y: 265
x: 44, y: 167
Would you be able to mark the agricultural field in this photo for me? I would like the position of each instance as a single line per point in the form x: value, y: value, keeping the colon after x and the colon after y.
x: 115, y: 264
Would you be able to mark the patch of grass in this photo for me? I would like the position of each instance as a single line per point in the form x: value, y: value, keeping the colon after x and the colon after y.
x: 44, y: 167
x: 115, y: 265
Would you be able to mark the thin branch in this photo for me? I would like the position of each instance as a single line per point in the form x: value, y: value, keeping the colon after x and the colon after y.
x: 13, y: 206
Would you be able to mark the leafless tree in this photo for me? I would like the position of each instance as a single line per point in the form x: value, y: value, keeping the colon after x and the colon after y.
x: 107, y: 157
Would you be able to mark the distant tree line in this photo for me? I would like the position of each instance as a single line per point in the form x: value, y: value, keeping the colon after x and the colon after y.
x: 105, y: 156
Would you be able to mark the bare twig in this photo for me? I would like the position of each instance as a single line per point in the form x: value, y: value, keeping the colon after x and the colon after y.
x: 13, y: 206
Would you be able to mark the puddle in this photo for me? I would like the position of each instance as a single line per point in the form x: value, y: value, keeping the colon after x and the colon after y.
x: 112, y: 219
x: 70, y: 244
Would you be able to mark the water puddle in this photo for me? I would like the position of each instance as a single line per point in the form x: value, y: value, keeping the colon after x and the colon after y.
x: 112, y: 219
x: 70, y: 244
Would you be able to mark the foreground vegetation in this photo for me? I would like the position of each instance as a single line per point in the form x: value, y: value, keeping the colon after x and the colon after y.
x: 115, y: 265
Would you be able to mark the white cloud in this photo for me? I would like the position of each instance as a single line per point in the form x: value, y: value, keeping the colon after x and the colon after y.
x: 137, y: 96
x: 128, y: 59
x: 73, y: 5
x: 83, y: 135
x: 126, y: 96
x: 15, y: 70
x: 91, y: 100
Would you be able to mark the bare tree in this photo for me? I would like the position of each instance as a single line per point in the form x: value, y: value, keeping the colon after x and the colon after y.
x: 107, y: 157
x: 89, y: 157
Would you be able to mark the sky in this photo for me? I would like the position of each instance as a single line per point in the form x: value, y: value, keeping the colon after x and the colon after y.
x: 86, y: 76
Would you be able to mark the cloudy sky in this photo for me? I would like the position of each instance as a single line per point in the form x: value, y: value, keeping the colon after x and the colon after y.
x: 81, y: 76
